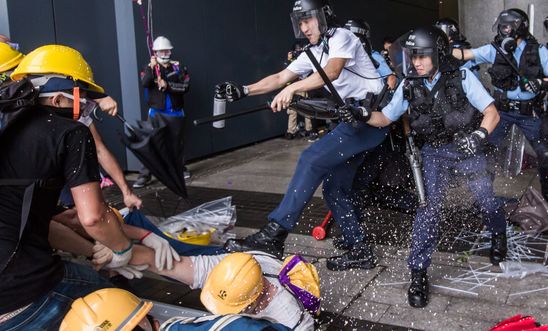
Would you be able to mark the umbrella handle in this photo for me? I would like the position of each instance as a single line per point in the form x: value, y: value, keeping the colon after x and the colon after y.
x: 126, y: 124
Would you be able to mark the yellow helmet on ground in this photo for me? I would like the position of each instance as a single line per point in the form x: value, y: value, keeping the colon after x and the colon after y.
x: 106, y: 309
x: 57, y: 60
x: 9, y: 57
x: 233, y: 284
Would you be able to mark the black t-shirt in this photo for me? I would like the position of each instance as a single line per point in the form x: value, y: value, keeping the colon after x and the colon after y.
x: 40, y: 146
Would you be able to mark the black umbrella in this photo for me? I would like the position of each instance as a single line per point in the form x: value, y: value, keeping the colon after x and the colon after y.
x: 159, y: 146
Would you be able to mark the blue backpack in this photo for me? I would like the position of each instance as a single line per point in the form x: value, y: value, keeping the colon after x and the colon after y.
x: 232, y: 322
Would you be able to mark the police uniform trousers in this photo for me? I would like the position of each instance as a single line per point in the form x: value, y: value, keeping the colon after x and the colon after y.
x: 439, y: 163
x: 334, y: 160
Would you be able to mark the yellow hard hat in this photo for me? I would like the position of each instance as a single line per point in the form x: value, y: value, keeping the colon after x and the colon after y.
x: 106, y: 309
x: 233, y: 284
x: 9, y: 57
x: 60, y: 60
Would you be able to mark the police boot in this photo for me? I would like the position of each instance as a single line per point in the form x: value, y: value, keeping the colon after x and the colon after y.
x: 417, y: 295
x: 361, y: 256
x: 498, y: 250
x: 340, y: 243
x: 270, y: 239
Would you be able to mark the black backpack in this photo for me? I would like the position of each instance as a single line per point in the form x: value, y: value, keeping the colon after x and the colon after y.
x: 16, y: 99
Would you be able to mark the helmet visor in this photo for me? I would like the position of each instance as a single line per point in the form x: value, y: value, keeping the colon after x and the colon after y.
x: 506, y: 25
x: 309, y: 17
x: 419, y: 62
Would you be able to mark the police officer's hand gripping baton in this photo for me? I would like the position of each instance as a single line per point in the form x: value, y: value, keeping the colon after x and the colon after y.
x: 413, y: 154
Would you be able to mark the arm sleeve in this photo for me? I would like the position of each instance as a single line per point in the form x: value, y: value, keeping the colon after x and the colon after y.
x: 474, y: 90
x: 301, y: 66
x: 543, y: 52
x: 182, y: 83
x: 202, y: 266
x: 484, y: 54
x: 147, y: 77
x: 397, y: 106
x: 80, y: 165
x: 341, y: 45
x: 383, y: 69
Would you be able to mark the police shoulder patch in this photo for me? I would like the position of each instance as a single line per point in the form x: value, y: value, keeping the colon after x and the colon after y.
x: 463, y: 74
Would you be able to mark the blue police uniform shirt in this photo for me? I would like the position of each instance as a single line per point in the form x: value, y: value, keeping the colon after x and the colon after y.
x: 487, y: 54
x: 473, y: 89
x: 383, y: 69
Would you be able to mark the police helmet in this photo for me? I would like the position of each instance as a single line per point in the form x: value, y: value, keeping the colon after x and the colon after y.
x: 359, y: 27
x: 304, y: 9
x: 429, y: 41
x: 450, y: 27
x: 512, y: 23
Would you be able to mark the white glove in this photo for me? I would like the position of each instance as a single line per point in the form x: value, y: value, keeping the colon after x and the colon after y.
x: 102, y: 254
x: 164, y: 253
x: 131, y: 271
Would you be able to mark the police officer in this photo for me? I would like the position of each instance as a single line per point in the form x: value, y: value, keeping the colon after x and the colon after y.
x: 362, y: 30
x: 335, y: 157
x: 457, y: 40
x: 519, y: 99
x: 444, y: 103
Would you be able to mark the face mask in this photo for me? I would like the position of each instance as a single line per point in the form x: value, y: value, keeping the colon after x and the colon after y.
x: 163, y: 59
x: 87, y: 106
x: 508, y: 44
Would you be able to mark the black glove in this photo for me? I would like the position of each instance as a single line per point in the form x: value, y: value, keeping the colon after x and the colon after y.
x: 352, y: 114
x: 231, y: 91
x: 470, y: 144
x: 535, y: 85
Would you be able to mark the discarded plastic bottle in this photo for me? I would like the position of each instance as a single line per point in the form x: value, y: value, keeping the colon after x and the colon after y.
x: 219, y: 108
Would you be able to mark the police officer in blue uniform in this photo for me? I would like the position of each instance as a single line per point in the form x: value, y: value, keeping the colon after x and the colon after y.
x: 334, y: 158
x: 519, y: 99
x: 445, y: 106
x: 457, y: 41
x: 362, y: 30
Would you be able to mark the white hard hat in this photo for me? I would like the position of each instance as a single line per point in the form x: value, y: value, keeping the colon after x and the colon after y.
x: 161, y: 43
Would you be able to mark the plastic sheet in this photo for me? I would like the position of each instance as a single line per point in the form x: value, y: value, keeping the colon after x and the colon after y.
x: 218, y: 216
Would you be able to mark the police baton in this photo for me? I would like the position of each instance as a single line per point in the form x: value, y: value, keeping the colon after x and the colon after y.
x: 210, y: 119
x: 413, y: 154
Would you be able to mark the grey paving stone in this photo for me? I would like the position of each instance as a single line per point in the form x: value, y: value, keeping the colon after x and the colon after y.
x: 535, y: 299
x: 474, y: 308
x: 431, y: 320
x: 366, y: 310
x: 397, y: 296
x: 338, y: 287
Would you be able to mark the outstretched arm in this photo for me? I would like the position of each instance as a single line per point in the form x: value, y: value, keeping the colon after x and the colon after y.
x: 272, y: 82
x: 182, y: 271
x: 332, y: 69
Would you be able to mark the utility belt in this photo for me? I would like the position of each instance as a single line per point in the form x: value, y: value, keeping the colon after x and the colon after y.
x: 533, y: 107
x: 368, y: 102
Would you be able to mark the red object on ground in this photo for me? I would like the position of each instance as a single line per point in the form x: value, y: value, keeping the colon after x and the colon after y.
x: 319, y: 231
x: 518, y: 323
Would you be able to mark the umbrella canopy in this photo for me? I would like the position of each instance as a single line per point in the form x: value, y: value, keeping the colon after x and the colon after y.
x: 158, y: 144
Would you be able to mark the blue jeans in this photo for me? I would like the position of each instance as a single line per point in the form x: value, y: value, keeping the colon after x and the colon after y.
x: 530, y: 126
x: 334, y: 160
x: 136, y: 218
x: 47, y: 312
x: 438, y: 165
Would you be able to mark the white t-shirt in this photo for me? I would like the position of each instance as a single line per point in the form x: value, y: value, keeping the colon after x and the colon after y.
x: 343, y: 44
x: 283, y: 307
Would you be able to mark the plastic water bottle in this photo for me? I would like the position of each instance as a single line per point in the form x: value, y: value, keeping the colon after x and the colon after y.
x: 219, y: 108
